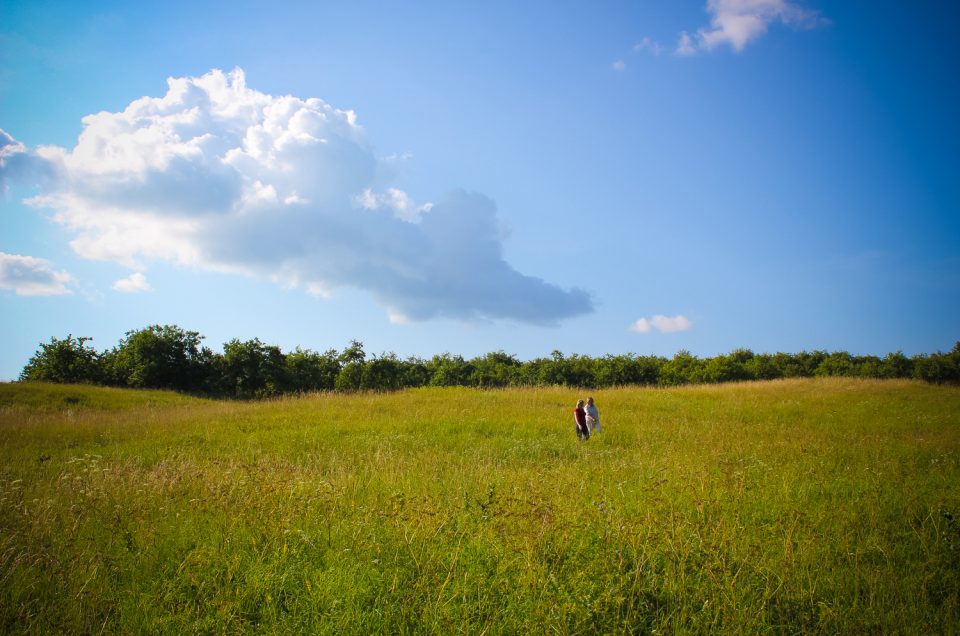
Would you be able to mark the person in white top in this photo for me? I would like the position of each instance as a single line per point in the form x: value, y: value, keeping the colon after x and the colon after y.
x: 593, y: 416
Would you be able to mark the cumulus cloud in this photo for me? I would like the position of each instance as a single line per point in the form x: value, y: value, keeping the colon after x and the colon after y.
x: 663, y: 324
x: 738, y: 22
x: 30, y: 276
x: 619, y: 65
x: 394, y: 200
x: 132, y: 284
x: 219, y: 176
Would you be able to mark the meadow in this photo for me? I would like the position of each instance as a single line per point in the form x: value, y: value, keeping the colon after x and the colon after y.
x: 827, y: 505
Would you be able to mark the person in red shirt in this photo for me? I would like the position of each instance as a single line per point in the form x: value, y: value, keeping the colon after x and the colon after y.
x: 580, y: 418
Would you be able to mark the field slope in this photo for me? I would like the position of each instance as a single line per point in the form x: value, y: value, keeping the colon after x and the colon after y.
x: 825, y: 506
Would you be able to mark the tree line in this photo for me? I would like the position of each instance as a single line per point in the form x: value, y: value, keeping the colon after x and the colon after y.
x: 168, y: 357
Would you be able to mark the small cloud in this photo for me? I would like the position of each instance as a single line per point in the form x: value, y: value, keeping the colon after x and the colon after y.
x: 294, y: 199
x: 648, y: 44
x: 735, y: 23
x: 29, y: 276
x: 398, y: 318
x: 685, y: 47
x: 738, y: 22
x: 9, y: 146
x: 132, y: 284
x: 319, y: 290
x: 663, y: 324
x: 619, y: 65
x: 641, y: 326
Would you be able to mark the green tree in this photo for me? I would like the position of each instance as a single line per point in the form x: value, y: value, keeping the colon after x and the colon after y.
x: 806, y: 364
x: 939, y: 367
x: 764, y: 366
x: 311, y: 371
x: 623, y: 370
x: 159, y: 357
x: 723, y: 369
x: 838, y: 363
x: 353, y: 353
x: 578, y: 370
x: 897, y: 365
x: 350, y: 377
x: 496, y: 369
x: 352, y: 361
x: 68, y: 360
x: 683, y: 368
x: 383, y: 373
x: 551, y: 371
x: 253, y: 369
x: 868, y: 367
x: 415, y: 372
x: 449, y: 370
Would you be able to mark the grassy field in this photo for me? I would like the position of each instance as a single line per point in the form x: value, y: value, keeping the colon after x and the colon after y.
x: 828, y: 506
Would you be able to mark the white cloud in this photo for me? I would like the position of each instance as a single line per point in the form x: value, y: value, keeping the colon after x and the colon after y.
x: 397, y: 318
x: 685, y: 45
x: 132, y: 284
x: 663, y: 324
x: 397, y: 201
x: 9, y: 146
x: 648, y: 44
x: 222, y: 177
x: 738, y: 22
x: 30, y: 276
x: 619, y: 65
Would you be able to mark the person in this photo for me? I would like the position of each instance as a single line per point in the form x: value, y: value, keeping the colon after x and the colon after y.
x: 580, y: 418
x: 593, y: 416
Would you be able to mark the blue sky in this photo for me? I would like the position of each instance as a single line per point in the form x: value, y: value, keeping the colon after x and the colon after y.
x: 467, y: 177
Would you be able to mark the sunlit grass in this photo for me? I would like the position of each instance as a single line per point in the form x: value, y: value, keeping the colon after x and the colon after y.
x: 52, y: 397
x: 790, y: 506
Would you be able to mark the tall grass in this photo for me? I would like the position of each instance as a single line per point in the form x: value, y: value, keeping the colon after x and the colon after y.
x: 791, y: 506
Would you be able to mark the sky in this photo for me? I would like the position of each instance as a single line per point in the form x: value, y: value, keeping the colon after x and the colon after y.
x: 466, y: 177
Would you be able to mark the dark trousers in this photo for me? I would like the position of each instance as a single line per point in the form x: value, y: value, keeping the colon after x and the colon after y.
x: 583, y: 431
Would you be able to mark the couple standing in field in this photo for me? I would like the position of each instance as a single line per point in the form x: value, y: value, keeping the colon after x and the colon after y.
x: 587, y: 418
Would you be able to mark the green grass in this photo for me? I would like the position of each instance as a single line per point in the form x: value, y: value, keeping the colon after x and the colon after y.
x: 826, y: 506
x: 30, y: 396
